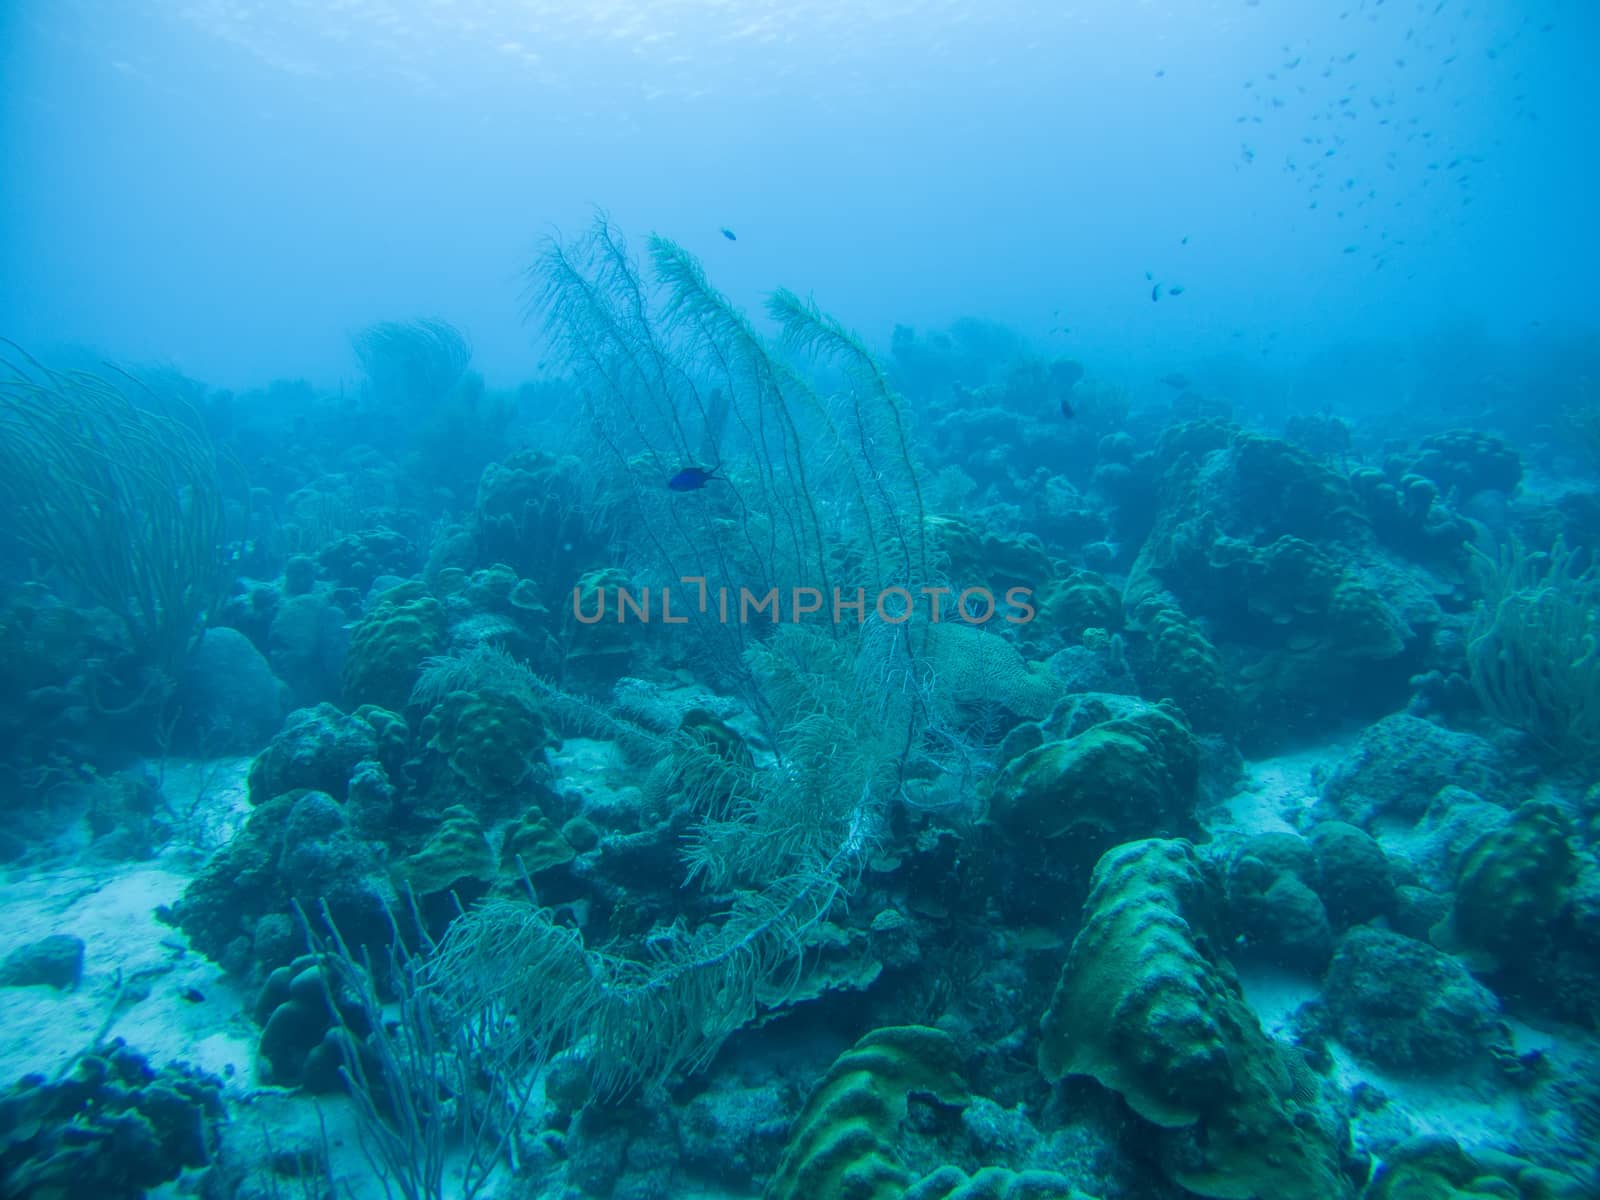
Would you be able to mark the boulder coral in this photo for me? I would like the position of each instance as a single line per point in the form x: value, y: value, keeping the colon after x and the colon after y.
x: 405, y: 625
x: 1101, y: 770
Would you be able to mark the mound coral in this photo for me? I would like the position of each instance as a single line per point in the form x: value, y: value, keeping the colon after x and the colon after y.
x: 1146, y: 1006
x: 405, y: 625
x: 1098, y: 773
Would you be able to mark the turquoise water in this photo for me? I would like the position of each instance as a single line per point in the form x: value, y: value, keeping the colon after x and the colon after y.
x: 808, y: 601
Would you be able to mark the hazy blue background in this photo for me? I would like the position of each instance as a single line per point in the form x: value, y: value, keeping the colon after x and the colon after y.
x: 236, y: 187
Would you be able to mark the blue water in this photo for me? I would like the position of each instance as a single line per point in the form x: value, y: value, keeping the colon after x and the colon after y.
x: 814, y: 600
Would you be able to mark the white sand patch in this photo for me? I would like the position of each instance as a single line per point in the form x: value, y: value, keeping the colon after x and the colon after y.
x: 585, y: 765
x: 170, y: 1002
x: 1275, y: 794
x: 1479, y: 1109
x: 209, y: 800
x: 1275, y: 994
x: 166, y: 1001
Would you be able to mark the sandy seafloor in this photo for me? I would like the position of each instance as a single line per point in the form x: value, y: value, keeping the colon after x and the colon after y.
x: 172, y: 1004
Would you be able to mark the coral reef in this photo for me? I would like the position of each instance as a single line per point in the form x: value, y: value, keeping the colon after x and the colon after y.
x: 110, y: 1130
x: 1263, y: 861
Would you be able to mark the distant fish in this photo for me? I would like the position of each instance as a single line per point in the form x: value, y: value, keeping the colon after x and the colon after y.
x: 1148, y: 276
x: 692, y: 479
x: 1067, y: 410
x: 1184, y: 240
x: 1175, y: 290
x: 1175, y: 381
x: 728, y: 233
x: 1155, y: 292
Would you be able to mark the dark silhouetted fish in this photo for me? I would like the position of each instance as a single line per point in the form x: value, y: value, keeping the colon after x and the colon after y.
x: 1155, y: 292
x: 728, y: 233
x: 1067, y: 410
x: 1176, y: 290
x: 692, y: 479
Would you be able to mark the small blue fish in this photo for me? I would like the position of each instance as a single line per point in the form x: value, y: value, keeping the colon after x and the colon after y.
x: 728, y: 233
x: 692, y: 479
x: 1175, y: 290
x: 1155, y: 292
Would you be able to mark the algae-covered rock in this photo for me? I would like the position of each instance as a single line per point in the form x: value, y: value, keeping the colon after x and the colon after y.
x: 317, y: 749
x: 54, y: 961
x: 114, y: 1128
x: 1401, y: 1004
x: 1081, y: 601
x: 1514, y: 883
x: 1353, y: 875
x: 1400, y: 763
x: 1279, y: 918
x: 1468, y: 461
x: 230, y: 700
x: 295, y: 848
